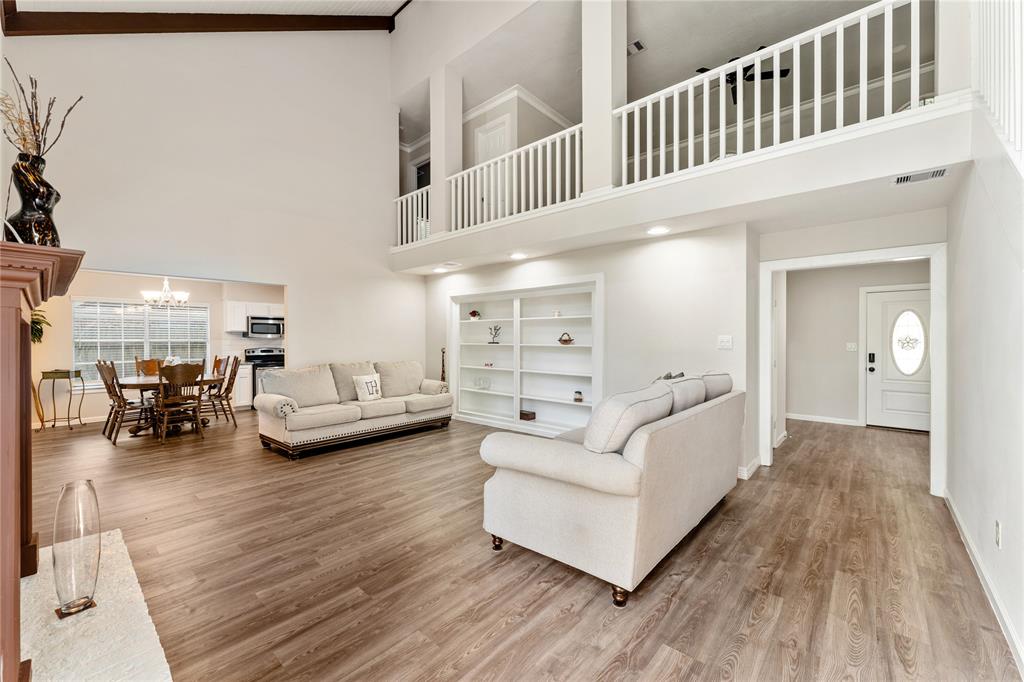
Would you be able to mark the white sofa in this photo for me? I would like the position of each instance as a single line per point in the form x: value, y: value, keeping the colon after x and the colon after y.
x: 317, y: 406
x: 614, y: 498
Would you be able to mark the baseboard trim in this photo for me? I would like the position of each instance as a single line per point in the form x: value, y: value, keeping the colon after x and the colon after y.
x: 781, y: 439
x: 745, y: 472
x: 1014, y: 641
x: 74, y: 422
x: 823, y: 420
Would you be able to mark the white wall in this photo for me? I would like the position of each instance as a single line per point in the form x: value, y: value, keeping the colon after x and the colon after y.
x: 902, y: 229
x: 986, y: 466
x: 666, y: 302
x: 265, y: 157
x: 822, y: 315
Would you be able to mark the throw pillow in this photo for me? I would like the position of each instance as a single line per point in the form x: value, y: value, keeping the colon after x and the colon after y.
x: 367, y: 387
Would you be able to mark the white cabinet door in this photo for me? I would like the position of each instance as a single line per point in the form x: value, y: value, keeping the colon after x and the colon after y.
x: 234, y: 316
x: 243, y: 386
x: 277, y: 309
x: 257, y: 309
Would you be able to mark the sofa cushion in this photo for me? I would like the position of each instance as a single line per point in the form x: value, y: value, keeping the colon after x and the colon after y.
x: 367, y: 387
x: 686, y: 393
x: 399, y: 378
x: 343, y: 373
x: 616, y: 417
x: 321, y: 415
x: 384, y: 407
x: 574, y: 436
x: 419, y: 402
x: 307, y: 386
x: 717, y: 384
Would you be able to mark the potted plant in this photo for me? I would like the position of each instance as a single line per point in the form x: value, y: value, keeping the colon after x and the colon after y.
x: 474, y: 314
x: 39, y: 321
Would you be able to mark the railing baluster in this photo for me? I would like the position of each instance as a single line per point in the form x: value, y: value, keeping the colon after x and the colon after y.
x: 547, y: 159
x: 675, y: 130
x: 705, y: 120
x: 623, y: 132
x: 636, y: 143
x: 757, y: 103
x: 887, y: 109
x: 495, y: 194
x: 817, y: 83
x: 566, y: 170
x: 558, y: 170
x: 689, y: 127
x: 723, y: 128
x: 915, y: 53
x: 796, y: 90
x: 661, y: 135
x: 531, y: 176
x: 579, y: 160
x: 739, y: 108
x: 840, y: 94
x: 776, y: 125
x: 863, y: 69
x: 650, y: 138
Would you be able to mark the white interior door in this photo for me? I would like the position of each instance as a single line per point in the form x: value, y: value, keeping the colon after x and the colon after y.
x: 897, y: 359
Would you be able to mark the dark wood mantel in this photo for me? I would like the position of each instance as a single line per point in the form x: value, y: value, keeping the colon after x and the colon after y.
x: 29, y: 275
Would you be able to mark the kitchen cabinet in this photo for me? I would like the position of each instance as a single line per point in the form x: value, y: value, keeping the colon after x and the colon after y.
x: 243, y: 387
x: 236, y: 312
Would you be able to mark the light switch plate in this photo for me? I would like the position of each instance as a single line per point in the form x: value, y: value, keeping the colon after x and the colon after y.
x: 725, y: 342
x: 851, y: 346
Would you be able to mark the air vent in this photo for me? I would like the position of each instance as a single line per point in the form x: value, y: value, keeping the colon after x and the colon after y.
x: 634, y: 48
x: 919, y: 177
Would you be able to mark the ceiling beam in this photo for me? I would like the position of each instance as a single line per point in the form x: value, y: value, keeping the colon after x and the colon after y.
x: 16, y: 23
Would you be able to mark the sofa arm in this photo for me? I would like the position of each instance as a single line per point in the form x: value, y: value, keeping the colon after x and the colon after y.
x: 433, y: 387
x: 275, y: 405
x: 562, y: 461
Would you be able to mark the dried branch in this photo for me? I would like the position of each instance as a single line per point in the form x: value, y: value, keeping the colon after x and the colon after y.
x: 60, y: 131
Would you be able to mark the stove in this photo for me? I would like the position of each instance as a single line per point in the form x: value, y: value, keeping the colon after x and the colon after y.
x: 261, y: 359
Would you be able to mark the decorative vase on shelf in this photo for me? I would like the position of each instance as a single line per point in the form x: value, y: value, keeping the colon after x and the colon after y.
x: 33, y: 223
x: 76, y: 547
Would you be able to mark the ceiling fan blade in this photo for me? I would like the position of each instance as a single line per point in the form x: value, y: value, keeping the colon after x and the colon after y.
x: 766, y: 75
x: 703, y: 69
x: 733, y: 93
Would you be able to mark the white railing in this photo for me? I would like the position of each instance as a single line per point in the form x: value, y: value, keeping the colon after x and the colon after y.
x: 543, y: 173
x: 413, y: 216
x: 999, y: 73
x: 690, y: 124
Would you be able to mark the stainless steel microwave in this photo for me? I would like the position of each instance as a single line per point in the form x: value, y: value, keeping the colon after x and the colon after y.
x: 264, y: 327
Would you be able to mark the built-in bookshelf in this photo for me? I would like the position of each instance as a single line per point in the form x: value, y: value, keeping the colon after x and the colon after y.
x: 525, y: 367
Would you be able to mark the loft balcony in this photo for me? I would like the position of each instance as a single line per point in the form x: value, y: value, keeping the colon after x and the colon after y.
x: 849, y: 101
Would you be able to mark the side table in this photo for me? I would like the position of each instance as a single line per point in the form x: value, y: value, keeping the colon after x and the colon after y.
x: 54, y: 375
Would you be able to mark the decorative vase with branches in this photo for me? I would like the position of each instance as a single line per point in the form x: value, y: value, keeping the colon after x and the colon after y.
x: 27, y: 126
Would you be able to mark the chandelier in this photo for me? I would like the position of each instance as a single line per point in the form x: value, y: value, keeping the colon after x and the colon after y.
x: 165, y: 296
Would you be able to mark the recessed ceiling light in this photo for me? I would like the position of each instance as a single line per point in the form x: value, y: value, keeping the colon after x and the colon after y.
x: 440, y: 271
x: 518, y: 255
x: 657, y: 230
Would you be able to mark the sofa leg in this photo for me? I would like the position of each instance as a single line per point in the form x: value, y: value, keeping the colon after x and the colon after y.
x: 496, y: 543
x: 265, y: 444
x: 619, y: 596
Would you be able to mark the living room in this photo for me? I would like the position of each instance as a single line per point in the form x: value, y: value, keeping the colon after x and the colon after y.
x: 421, y: 490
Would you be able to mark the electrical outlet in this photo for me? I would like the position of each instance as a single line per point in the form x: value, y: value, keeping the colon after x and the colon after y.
x: 851, y: 346
x: 999, y: 535
x: 725, y: 342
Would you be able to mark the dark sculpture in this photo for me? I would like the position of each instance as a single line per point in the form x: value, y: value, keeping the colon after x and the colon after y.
x: 33, y: 223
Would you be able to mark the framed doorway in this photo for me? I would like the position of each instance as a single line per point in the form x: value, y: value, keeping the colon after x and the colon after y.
x: 937, y: 326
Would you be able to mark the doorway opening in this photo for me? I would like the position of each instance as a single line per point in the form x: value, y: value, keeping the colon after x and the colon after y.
x: 889, y: 360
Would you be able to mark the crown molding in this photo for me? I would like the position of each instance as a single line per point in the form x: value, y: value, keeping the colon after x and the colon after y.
x: 410, y: 147
x: 524, y: 95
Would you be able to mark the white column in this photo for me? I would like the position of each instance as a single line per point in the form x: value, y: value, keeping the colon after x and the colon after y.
x: 952, y: 46
x: 604, y: 89
x: 445, y: 143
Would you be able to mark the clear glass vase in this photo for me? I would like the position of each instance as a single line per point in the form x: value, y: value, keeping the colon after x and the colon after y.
x: 76, y: 547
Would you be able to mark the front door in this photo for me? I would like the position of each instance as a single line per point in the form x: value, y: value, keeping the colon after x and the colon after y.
x: 897, y: 359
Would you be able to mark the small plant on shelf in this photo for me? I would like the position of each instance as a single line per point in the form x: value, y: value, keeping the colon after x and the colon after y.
x: 495, y: 333
x: 474, y: 314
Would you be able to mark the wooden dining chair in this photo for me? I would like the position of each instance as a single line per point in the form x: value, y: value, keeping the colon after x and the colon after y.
x: 180, y: 397
x: 219, y: 397
x: 122, y: 409
x: 101, y: 369
x: 147, y: 367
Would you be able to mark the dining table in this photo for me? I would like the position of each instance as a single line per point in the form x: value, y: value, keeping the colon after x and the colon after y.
x: 151, y: 382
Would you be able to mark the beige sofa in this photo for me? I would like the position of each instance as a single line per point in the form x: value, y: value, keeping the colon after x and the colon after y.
x: 614, y: 498
x: 317, y: 406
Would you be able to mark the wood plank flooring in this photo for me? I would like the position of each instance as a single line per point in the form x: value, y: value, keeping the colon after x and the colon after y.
x: 370, y: 563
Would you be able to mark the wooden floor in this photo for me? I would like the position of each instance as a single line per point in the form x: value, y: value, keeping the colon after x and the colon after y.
x: 370, y: 563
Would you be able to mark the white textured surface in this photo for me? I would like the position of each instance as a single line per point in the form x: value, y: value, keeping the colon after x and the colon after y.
x: 116, y: 640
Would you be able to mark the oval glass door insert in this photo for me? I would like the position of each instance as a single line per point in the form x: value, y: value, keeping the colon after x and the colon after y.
x: 908, y: 342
